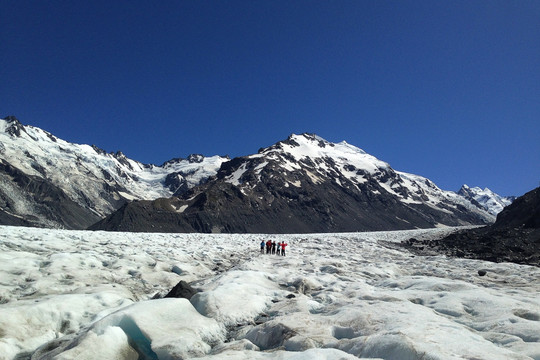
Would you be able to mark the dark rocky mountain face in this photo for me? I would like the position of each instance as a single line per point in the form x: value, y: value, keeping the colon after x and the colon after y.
x: 523, y: 212
x: 41, y: 200
x: 14, y: 127
x: 515, y: 236
x: 303, y: 184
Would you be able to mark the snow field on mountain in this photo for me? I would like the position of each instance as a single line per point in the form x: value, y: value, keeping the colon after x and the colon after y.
x: 343, y: 154
x: 36, y: 151
x: 348, y: 154
x: 87, y: 295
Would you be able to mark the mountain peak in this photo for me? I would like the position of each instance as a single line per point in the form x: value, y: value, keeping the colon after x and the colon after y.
x: 99, y: 150
x: 13, y: 126
x: 195, y: 158
x: 485, y: 198
x: 296, y: 140
x: 308, y: 136
x: 307, y: 146
x: 12, y: 119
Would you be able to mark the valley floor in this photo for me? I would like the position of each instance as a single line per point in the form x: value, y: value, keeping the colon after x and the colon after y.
x: 88, y: 295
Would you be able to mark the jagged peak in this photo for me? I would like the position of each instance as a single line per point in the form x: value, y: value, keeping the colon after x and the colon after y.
x: 312, y: 139
x: 118, y: 154
x: 12, y: 119
x: 476, y: 189
x: 308, y: 137
x: 173, y: 161
x: 465, y: 189
x: 13, y: 126
x: 312, y: 145
x: 296, y: 140
x: 123, y: 159
x: 195, y: 158
x: 99, y: 150
x: 485, y: 198
x: 192, y: 159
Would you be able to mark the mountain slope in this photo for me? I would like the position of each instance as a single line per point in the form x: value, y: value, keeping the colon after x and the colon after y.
x: 24, y: 200
x: 523, y: 212
x: 303, y: 184
x: 514, y: 237
x: 46, y: 181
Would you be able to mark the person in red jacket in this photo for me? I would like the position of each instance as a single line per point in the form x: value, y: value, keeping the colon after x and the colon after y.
x: 283, y: 248
x: 268, y: 246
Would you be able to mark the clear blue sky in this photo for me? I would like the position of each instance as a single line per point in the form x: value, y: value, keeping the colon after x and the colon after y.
x: 445, y: 89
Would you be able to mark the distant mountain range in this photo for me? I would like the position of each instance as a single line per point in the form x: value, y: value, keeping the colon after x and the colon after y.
x: 486, y: 198
x: 302, y: 184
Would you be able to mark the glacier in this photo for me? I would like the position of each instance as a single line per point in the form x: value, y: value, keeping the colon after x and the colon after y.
x: 69, y: 294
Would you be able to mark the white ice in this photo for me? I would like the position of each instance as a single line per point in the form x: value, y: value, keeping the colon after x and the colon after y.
x: 87, y: 295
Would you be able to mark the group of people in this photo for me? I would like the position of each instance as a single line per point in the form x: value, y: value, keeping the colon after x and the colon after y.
x: 273, y: 248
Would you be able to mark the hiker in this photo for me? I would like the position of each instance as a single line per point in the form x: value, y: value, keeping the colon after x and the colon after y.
x: 262, y: 246
x: 278, y: 248
x: 283, y: 248
x: 274, y: 247
x: 268, y: 246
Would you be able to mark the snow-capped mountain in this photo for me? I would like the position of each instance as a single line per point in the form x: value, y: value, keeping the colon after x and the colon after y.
x: 47, y: 181
x: 303, y: 184
x: 490, y: 201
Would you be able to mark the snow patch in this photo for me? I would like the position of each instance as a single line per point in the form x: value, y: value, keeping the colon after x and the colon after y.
x: 182, y: 208
x: 235, y: 177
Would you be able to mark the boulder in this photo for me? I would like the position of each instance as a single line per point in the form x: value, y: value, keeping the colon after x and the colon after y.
x: 182, y: 290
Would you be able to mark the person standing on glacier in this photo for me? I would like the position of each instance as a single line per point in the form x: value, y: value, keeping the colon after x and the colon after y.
x: 283, y: 248
x: 268, y: 246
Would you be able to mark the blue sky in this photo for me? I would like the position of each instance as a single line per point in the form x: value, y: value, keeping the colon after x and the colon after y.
x: 445, y: 89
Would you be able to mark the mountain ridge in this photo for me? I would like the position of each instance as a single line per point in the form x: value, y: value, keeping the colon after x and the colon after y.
x: 94, y: 183
x: 486, y: 198
x: 302, y: 184
x: 97, y: 182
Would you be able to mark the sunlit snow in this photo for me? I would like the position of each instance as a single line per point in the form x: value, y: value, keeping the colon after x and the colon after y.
x: 88, y: 295
x: 342, y: 153
x: 36, y: 149
x: 494, y: 203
